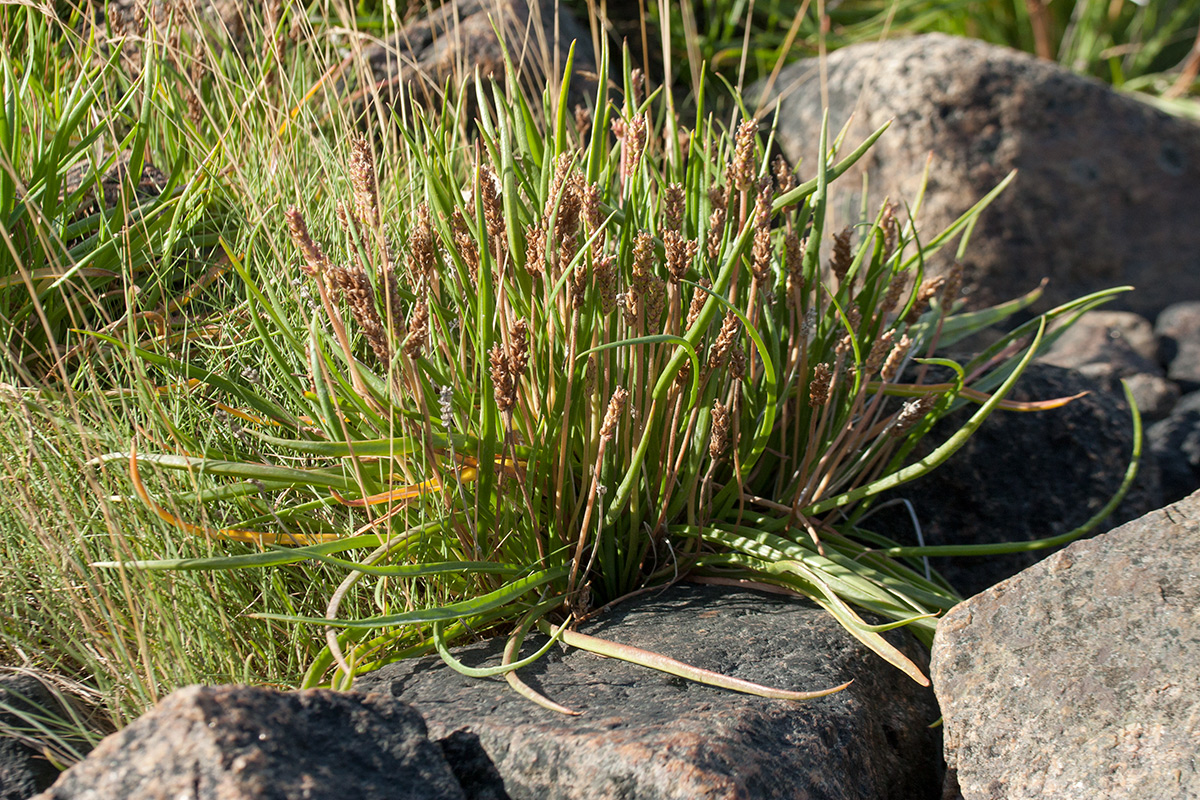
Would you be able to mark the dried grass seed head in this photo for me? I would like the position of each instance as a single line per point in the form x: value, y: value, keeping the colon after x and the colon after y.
x: 719, y: 438
x: 699, y: 298
x: 363, y: 180
x: 680, y: 254
x: 502, y: 379
x: 895, y: 360
x: 741, y: 168
x: 673, y: 200
x: 913, y: 412
x: 726, y: 339
x: 821, y: 385
x: 840, y: 261
x: 616, y: 404
x: 604, y: 273
x: 418, y: 330
x: 315, y: 261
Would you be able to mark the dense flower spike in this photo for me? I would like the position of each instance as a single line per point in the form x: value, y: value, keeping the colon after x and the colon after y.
x: 673, y: 200
x: 315, y: 261
x: 840, y: 261
x: 680, y: 253
x: 719, y: 438
x: 741, y: 172
x: 363, y: 181
x: 821, y: 385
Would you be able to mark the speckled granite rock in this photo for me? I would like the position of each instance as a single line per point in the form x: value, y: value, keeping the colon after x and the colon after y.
x: 1078, y: 678
x: 456, y: 39
x: 1178, y: 329
x: 1105, y: 193
x: 245, y: 743
x: 644, y: 734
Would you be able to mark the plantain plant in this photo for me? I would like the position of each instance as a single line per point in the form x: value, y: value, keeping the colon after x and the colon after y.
x: 534, y: 370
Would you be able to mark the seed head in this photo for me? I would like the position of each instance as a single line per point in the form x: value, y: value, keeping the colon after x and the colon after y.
x: 355, y: 287
x: 880, y: 349
x: 643, y: 259
x: 518, y: 354
x: 604, y: 273
x: 821, y: 385
x: 634, y: 144
x: 464, y: 242
x: 891, y: 230
x: 841, y: 259
x: 535, y: 249
x: 793, y: 262
x: 698, y: 300
x: 362, y: 180
x: 719, y: 439
x: 785, y: 179
x: 726, y: 339
x: 929, y: 289
x: 493, y: 212
x: 418, y: 330
x: 680, y: 253
x: 912, y: 412
x: 502, y: 378
x: 895, y: 359
x: 616, y: 404
x: 741, y: 169
x: 315, y: 261
x: 895, y: 289
x: 673, y: 207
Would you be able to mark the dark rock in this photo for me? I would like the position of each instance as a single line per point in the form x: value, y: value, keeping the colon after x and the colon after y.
x: 1178, y: 329
x: 1023, y: 476
x: 1107, y: 346
x: 454, y: 40
x: 1106, y: 189
x: 232, y: 742
x: 31, y: 706
x: 646, y: 734
x: 476, y: 774
x: 1175, y: 444
x: 1077, y: 678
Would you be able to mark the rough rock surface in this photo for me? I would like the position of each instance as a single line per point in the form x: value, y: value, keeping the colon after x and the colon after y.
x: 457, y: 38
x: 646, y: 734
x: 1077, y: 678
x: 1175, y: 444
x: 1107, y: 346
x: 233, y: 742
x: 1105, y: 193
x: 1178, y: 329
x: 1024, y: 476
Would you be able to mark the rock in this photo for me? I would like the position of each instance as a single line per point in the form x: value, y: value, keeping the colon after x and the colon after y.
x: 643, y: 733
x: 1107, y: 346
x: 27, y: 701
x: 1175, y: 443
x: 1106, y: 190
x: 231, y: 742
x: 1178, y: 329
x: 454, y: 40
x: 1077, y: 678
x: 1023, y: 476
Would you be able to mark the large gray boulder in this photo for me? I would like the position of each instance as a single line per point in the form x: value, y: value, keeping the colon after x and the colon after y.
x: 246, y: 743
x: 1078, y: 678
x: 1106, y: 189
x: 645, y: 734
